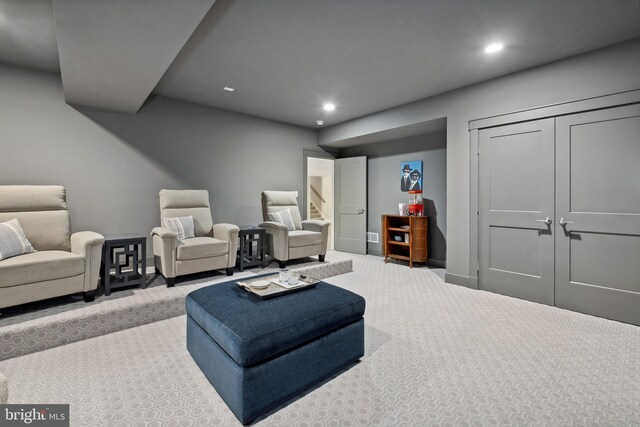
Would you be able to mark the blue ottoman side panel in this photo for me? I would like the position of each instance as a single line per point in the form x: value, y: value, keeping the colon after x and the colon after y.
x: 219, y: 368
x: 251, y: 330
x: 254, y: 390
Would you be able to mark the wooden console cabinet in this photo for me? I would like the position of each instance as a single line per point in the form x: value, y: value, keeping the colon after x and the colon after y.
x: 405, y: 238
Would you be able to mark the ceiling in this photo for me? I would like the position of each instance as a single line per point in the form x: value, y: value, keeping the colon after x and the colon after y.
x: 286, y: 58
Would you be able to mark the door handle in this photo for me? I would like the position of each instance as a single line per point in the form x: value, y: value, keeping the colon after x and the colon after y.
x: 361, y: 211
x: 547, y: 220
x: 564, y: 222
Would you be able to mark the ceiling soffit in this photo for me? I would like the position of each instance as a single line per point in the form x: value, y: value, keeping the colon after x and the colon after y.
x: 113, y: 53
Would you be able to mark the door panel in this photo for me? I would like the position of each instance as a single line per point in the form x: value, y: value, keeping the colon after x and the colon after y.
x: 600, y: 164
x: 351, y: 204
x: 515, y: 185
x: 350, y: 226
x: 516, y: 193
x: 514, y: 250
x: 589, y: 252
x: 598, y: 194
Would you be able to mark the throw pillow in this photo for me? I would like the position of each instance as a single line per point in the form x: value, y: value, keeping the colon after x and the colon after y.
x: 13, y: 241
x: 182, y: 226
x: 283, y: 217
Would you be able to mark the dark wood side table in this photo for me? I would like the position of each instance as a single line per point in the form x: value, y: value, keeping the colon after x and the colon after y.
x: 124, y: 261
x: 250, y: 256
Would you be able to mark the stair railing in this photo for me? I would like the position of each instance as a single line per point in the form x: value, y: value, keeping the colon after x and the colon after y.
x: 319, y: 196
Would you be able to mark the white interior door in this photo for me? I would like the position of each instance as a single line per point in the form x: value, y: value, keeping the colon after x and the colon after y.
x: 351, y: 204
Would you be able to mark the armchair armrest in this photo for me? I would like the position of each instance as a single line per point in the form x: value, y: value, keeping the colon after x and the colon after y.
x: 165, y: 243
x: 225, y: 231
x: 228, y: 232
x: 315, y: 225
x: 164, y: 233
x: 277, y: 240
x: 319, y: 226
x: 274, y: 226
x: 89, y: 245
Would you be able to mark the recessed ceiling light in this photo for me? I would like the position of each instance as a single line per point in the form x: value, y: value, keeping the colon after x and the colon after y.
x: 329, y: 107
x: 229, y: 89
x: 493, y: 48
x: 319, y: 122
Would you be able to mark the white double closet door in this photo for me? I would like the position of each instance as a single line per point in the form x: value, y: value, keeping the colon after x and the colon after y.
x: 559, y: 211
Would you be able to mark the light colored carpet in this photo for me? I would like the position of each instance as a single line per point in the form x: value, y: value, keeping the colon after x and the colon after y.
x: 47, y: 324
x: 436, y: 354
x: 155, y: 285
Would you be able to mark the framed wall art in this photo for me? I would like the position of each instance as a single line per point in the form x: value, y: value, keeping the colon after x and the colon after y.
x: 411, y: 175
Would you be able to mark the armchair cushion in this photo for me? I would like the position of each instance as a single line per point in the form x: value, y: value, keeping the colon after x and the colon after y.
x: 299, y: 238
x: 39, y: 267
x: 13, y: 241
x: 283, y: 217
x: 201, y: 247
x: 274, y: 201
x: 181, y: 225
x: 42, y: 212
x: 177, y: 203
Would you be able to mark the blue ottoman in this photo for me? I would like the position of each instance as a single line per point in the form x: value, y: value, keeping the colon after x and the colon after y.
x: 258, y: 354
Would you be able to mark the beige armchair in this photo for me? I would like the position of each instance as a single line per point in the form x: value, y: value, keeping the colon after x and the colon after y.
x: 309, y: 238
x: 213, y: 247
x: 63, y: 263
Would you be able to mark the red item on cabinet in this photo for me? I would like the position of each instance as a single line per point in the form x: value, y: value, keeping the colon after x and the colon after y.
x: 415, y: 206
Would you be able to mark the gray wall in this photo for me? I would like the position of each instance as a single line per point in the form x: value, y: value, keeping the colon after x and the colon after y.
x: 113, y: 164
x: 384, y: 161
x: 601, y: 72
